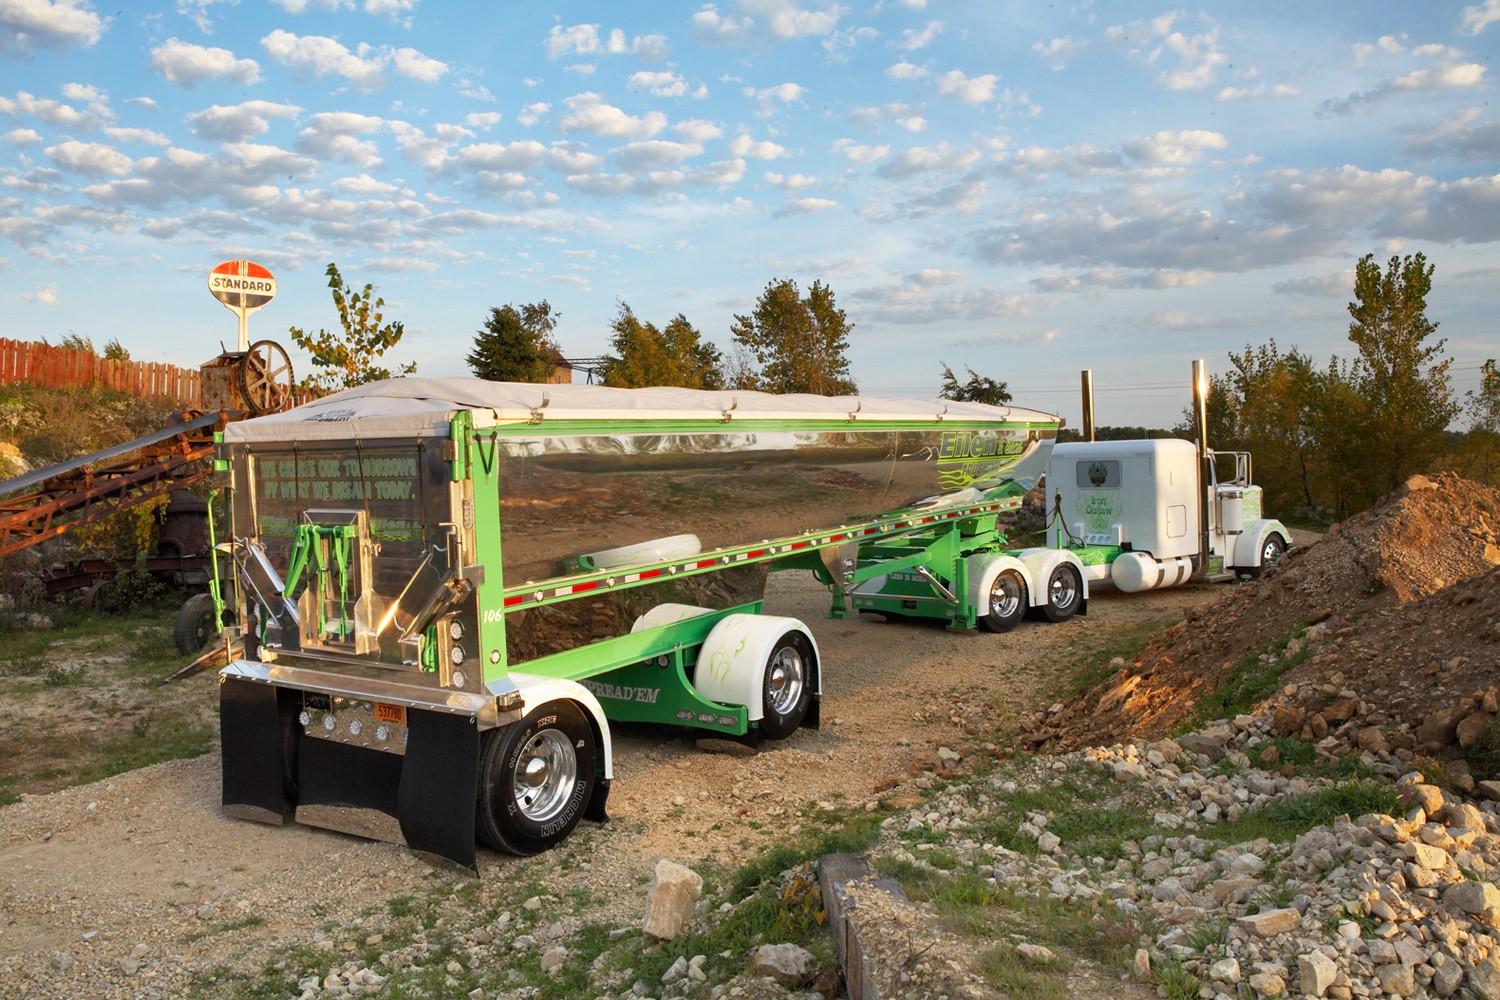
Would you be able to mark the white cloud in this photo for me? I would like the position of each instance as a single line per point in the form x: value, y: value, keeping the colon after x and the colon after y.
x: 197, y: 12
x: 975, y: 90
x: 697, y: 130
x: 655, y: 154
x: 914, y: 38
x: 187, y: 65
x: 334, y: 136
x: 766, y: 98
x: 756, y: 23
x: 1481, y: 16
x: 482, y: 119
x: 587, y: 112
x: 532, y: 113
x: 44, y: 296
x: 91, y: 159
x: 233, y: 123
x: 904, y: 70
x: 1175, y: 148
x: 665, y: 84
x: 570, y: 158
x: 793, y: 182
x: 30, y: 25
x: 920, y: 160
x: 810, y: 206
x: 860, y: 154
x: 301, y: 6
x: 52, y: 112
x: 718, y: 174
x: 1058, y: 52
x: 23, y: 137
x: 744, y: 146
x: 319, y: 56
x: 585, y: 40
x: 395, y: 11
x: 143, y: 135
x: 415, y: 66
x: 524, y: 154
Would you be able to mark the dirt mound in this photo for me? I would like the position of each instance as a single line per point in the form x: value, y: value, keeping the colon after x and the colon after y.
x: 1405, y: 598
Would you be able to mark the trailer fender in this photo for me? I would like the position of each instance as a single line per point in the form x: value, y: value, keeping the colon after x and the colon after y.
x: 1253, y: 542
x: 668, y: 614
x: 538, y: 690
x: 983, y: 571
x: 734, y: 659
x: 1041, y: 564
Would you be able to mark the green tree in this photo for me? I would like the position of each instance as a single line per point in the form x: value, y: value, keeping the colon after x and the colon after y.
x: 1403, y: 380
x: 644, y: 355
x: 978, y: 389
x: 516, y: 345
x: 1270, y: 395
x: 1480, y: 451
x: 798, y: 341
x: 349, y: 359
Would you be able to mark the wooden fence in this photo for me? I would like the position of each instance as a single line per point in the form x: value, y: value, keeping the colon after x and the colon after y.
x: 64, y: 368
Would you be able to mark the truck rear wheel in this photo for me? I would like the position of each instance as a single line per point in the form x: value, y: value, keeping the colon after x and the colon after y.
x: 1007, y: 603
x: 1064, y: 593
x: 787, y: 686
x: 535, y: 779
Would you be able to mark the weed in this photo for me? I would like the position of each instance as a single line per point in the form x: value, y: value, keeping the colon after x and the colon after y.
x: 1014, y: 976
x: 1248, y: 683
x: 1176, y: 983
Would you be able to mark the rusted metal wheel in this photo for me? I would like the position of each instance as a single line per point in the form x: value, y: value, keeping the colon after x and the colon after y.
x: 265, y: 376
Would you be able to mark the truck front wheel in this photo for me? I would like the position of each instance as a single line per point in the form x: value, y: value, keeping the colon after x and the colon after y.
x: 1064, y: 593
x: 535, y: 779
x: 1271, y: 551
x: 786, y: 687
x: 1007, y: 603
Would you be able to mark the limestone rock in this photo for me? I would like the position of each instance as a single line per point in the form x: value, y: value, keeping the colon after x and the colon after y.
x: 788, y: 964
x: 1317, y: 972
x: 1271, y: 922
x: 674, y: 893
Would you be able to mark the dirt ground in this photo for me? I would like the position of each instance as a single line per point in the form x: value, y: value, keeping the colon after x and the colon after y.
x: 145, y: 862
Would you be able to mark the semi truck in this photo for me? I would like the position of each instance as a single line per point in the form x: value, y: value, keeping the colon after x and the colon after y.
x: 446, y: 590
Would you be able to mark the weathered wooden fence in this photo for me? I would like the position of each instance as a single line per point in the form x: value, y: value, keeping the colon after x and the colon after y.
x: 65, y: 368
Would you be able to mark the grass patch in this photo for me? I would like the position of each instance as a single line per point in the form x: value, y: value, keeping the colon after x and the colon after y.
x: 1287, y: 820
x: 1248, y: 683
x: 1098, y: 662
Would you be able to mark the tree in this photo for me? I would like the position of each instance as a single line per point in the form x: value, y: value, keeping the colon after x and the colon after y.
x: 1481, y: 447
x: 644, y: 355
x: 516, y: 345
x: 798, y: 341
x: 1399, y: 376
x: 978, y: 389
x: 1271, y: 395
x: 349, y: 360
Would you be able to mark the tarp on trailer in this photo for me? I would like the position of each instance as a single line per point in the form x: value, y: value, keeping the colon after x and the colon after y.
x: 423, y: 407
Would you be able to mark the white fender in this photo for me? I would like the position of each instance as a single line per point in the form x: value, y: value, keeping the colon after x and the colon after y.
x: 732, y: 663
x: 538, y: 690
x: 1247, y: 547
x: 668, y: 614
x: 984, y: 568
x: 1039, y: 565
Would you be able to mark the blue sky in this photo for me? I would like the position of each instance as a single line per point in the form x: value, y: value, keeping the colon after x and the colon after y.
x: 1024, y: 189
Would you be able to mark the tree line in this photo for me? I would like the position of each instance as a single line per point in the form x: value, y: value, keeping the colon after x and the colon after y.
x: 1327, y: 439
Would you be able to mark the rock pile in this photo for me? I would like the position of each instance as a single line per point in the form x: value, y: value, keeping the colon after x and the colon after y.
x: 1399, y: 904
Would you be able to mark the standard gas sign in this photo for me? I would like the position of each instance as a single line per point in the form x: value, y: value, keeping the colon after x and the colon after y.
x: 242, y: 285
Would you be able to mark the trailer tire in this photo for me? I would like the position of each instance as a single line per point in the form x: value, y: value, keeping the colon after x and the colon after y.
x: 1007, y: 602
x: 786, y: 688
x: 536, y: 778
x: 1064, y: 593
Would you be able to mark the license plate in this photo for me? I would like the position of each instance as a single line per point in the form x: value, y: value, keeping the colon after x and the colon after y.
x: 390, y: 713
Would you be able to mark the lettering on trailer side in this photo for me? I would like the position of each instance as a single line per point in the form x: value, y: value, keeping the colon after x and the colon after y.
x: 623, y: 692
x: 965, y: 457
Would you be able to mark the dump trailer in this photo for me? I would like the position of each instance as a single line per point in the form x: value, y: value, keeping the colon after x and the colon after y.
x: 1143, y: 514
x: 446, y: 589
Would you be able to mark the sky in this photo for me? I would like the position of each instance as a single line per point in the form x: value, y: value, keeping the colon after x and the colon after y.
x: 1025, y: 190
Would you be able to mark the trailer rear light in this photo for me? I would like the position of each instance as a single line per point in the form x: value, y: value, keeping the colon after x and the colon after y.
x: 330, y: 723
x: 354, y: 727
x: 459, y: 679
x: 456, y: 655
x: 382, y: 732
x: 455, y: 629
x: 304, y: 718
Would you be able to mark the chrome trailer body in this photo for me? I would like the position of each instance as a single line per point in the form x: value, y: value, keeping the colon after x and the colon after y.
x: 448, y: 587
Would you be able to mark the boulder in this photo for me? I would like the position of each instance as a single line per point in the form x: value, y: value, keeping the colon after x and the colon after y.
x: 674, y: 893
x: 788, y: 964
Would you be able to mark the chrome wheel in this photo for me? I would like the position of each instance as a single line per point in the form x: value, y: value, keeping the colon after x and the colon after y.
x: 1064, y: 588
x: 787, y: 676
x: 546, y: 772
x: 1007, y: 602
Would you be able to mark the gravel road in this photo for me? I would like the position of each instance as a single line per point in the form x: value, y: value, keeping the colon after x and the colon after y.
x: 134, y: 885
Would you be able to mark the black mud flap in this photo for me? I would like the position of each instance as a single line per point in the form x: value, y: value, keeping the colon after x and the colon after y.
x: 250, y: 731
x: 440, y: 787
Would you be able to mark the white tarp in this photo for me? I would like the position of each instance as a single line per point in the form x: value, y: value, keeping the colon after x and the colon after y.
x: 422, y: 407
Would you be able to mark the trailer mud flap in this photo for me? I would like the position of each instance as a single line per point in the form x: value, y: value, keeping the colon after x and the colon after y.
x: 250, y: 727
x: 424, y: 799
